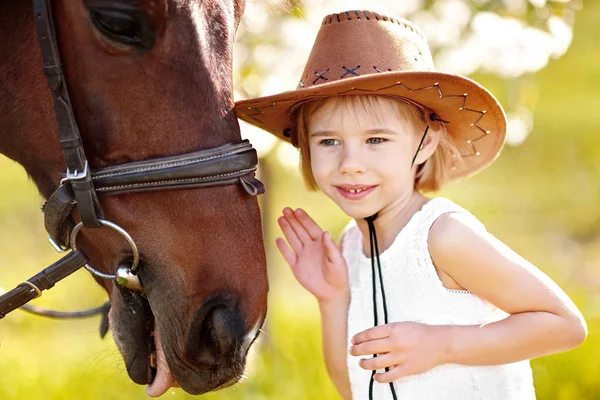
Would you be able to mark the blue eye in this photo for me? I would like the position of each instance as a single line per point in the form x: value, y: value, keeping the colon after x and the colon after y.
x: 329, y: 142
x: 376, y: 140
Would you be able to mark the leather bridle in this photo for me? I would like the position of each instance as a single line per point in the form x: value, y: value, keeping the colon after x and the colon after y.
x: 223, y: 165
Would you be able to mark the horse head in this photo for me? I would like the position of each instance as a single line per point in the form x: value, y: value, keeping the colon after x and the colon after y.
x: 148, y: 79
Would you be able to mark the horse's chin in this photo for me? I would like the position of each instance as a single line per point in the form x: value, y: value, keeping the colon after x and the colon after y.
x: 149, y: 356
x: 132, y: 324
x: 136, y: 337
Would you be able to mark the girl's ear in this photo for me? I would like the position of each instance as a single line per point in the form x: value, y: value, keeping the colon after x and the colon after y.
x: 428, y: 147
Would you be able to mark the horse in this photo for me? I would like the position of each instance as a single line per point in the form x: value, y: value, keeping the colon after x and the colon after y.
x: 147, y: 80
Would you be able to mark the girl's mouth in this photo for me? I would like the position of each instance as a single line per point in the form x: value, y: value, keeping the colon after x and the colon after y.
x: 355, y: 192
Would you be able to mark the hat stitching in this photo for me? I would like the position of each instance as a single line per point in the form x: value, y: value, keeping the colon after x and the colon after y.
x: 321, y: 76
x: 350, y: 71
x: 461, y: 108
x: 378, y: 17
x: 301, y: 84
x: 378, y: 70
x: 258, y: 111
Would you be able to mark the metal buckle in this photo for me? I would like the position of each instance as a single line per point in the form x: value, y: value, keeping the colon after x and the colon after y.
x: 38, y: 292
x: 74, y: 176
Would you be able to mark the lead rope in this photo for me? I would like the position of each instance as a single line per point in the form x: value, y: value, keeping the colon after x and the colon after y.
x: 375, y: 256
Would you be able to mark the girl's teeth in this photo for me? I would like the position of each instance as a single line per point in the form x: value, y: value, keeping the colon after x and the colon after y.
x: 356, y: 191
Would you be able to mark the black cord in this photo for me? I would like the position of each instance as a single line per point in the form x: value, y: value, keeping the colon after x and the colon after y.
x: 375, y: 254
x: 374, y: 287
x: 419, y: 148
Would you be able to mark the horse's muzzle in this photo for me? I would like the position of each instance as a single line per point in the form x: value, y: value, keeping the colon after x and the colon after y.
x: 217, y: 343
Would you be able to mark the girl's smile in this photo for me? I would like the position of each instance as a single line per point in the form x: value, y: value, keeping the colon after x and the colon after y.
x: 355, y: 192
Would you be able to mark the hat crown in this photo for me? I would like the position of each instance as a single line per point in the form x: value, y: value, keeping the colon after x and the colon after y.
x: 357, y: 43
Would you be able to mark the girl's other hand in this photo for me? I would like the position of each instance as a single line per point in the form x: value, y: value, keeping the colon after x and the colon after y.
x: 316, y: 261
x: 407, y: 348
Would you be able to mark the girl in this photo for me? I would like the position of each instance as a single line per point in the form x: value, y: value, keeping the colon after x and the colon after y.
x: 420, y: 302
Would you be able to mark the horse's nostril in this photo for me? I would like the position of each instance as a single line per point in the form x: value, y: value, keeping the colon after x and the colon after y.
x: 217, y: 332
x: 227, y: 329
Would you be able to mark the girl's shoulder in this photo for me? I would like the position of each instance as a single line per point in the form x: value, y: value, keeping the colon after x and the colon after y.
x: 440, y: 216
x: 443, y: 207
x: 454, y: 236
x: 445, y: 212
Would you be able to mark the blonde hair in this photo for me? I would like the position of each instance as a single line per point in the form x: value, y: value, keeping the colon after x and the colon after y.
x: 430, y: 176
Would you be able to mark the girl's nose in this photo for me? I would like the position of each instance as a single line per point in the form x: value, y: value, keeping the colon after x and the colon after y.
x: 351, y: 161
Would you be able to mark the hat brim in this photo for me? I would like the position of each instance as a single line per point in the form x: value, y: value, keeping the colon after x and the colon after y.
x: 476, y: 120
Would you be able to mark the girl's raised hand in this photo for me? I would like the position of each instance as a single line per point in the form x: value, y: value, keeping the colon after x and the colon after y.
x: 315, y: 259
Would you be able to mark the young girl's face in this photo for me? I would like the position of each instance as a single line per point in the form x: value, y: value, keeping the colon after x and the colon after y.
x: 361, y: 155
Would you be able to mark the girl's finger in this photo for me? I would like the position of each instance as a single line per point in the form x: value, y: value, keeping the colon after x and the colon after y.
x: 287, y: 253
x: 399, y: 371
x: 374, y: 333
x: 309, y: 224
x: 290, y: 234
x: 372, y: 347
x: 334, y: 255
x: 380, y: 362
x: 301, y: 232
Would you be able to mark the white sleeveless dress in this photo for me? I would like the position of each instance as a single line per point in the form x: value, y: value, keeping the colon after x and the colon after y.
x: 415, y: 293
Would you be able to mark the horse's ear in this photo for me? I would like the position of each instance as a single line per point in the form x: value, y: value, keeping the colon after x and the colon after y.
x: 240, y: 7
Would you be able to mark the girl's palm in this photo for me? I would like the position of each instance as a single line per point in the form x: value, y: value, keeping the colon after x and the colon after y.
x: 315, y: 259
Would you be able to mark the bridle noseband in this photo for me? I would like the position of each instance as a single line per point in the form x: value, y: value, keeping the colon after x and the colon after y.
x: 233, y: 163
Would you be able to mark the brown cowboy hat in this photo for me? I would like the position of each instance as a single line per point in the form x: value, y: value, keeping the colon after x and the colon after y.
x: 365, y: 53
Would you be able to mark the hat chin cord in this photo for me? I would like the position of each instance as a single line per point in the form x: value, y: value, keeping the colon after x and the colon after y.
x: 375, y: 257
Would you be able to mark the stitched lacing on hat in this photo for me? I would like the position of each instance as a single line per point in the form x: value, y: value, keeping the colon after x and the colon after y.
x: 356, y: 13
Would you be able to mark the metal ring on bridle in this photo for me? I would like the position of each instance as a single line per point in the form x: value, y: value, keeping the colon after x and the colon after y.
x: 123, y: 232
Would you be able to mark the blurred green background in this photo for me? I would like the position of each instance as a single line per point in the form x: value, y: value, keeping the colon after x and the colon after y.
x: 542, y: 198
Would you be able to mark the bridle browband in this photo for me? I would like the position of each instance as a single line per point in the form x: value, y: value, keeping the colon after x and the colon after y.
x: 233, y: 163
x: 223, y: 165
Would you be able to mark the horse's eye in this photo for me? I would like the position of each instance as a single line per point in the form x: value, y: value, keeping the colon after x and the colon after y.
x: 123, y: 27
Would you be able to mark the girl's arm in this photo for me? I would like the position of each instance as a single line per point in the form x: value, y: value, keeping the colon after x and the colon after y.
x: 334, y: 316
x: 543, y: 320
x: 318, y: 265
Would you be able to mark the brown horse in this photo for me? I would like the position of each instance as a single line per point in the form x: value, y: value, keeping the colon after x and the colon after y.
x: 147, y: 79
